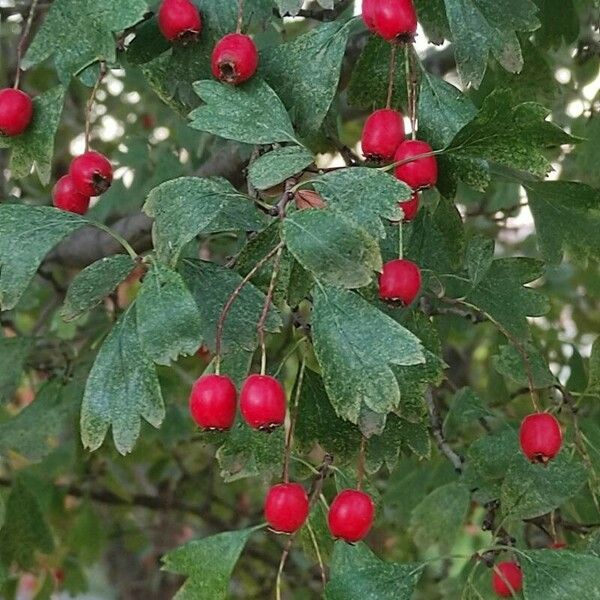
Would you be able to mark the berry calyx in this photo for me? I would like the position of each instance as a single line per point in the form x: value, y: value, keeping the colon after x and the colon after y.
x: 393, y: 20
x: 419, y: 173
x: 507, y: 575
x: 235, y: 58
x: 67, y: 197
x: 286, y: 507
x: 262, y: 402
x: 410, y: 208
x: 213, y: 402
x: 400, y: 280
x: 382, y: 134
x: 351, y: 515
x: 179, y: 20
x: 540, y: 437
x: 16, y: 111
x: 92, y: 173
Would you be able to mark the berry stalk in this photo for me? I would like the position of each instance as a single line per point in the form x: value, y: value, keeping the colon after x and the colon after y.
x: 21, y: 46
x: 90, y: 103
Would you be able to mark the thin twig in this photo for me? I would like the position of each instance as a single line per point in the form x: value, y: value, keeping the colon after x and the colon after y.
x: 412, y: 86
x: 236, y: 292
x: 391, y: 76
x: 293, y: 416
x: 240, y: 17
x: 90, y: 103
x: 360, y: 470
x: 313, y: 539
x: 21, y: 46
x: 436, y: 428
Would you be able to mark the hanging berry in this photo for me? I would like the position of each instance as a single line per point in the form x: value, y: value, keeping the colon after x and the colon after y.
x: 393, y: 20
x: 262, y: 402
x: 400, y: 280
x: 213, y: 402
x: 410, y: 208
x: 179, y: 20
x: 67, y: 197
x: 16, y: 112
x: 286, y: 507
x: 92, y: 173
x: 382, y: 134
x: 541, y: 437
x: 507, y: 575
x: 421, y: 172
x: 235, y: 58
x: 351, y: 515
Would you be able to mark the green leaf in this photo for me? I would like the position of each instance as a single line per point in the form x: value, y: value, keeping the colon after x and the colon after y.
x: 333, y: 248
x: 13, y: 355
x: 552, y: 575
x: 95, y: 283
x: 87, y: 535
x: 27, y: 234
x: 567, y: 218
x: 556, y: 31
x: 479, y: 258
x: 78, y: 33
x: 593, y: 385
x: 278, y: 165
x: 305, y: 73
x: 187, y: 206
x: 369, y: 83
x: 25, y: 531
x: 122, y: 388
x: 168, y: 318
x: 317, y: 422
x: 208, y: 564
x: 357, y: 574
x: 465, y: 408
x: 364, y: 195
x: 502, y: 297
x: 250, y: 453
x: 211, y: 286
x: 530, y: 489
x: 440, y: 516
x: 29, y: 432
x: 511, y: 364
x: 250, y: 113
x: 479, y: 27
x: 35, y: 146
x: 356, y: 345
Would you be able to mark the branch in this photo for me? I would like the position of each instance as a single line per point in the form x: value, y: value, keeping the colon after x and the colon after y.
x: 436, y: 428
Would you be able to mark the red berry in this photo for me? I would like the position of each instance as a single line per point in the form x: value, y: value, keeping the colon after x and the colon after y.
x: 540, y: 437
x: 507, y: 575
x: 92, y: 173
x: 213, y: 402
x: 400, y: 280
x: 410, y: 208
x: 66, y: 196
x: 382, y: 134
x: 16, y: 110
x: 351, y: 515
x: 419, y: 173
x: 558, y: 545
x: 179, y: 20
x: 262, y: 402
x: 235, y: 58
x: 391, y: 19
x: 286, y: 507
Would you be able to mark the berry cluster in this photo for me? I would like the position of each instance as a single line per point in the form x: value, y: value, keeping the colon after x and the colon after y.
x: 235, y: 56
x: 90, y: 174
x: 213, y: 406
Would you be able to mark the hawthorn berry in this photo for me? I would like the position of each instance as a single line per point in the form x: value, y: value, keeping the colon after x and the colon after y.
x: 262, y: 402
x: 507, y: 575
x: 400, y: 280
x: 16, y: 111
x: 92, y: 173
x: 540, y: 437
x: 419, y: 173
x: 67, y: 197
x: 393, y: 20
x: 286, y: 507
x: 382, y: 134
x: 410, y: 208
x: 213, y: 402
x: 235, y: 58
x: 179, y: 20
x: 351, y: 515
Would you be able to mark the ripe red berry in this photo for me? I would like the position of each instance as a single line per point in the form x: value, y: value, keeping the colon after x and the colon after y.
x: 419, y: 173
x: 16, y: 110
x: 540, y: 437
x: 507, y: 575
x: 393, y: 20
x: 235, y: 58
x: 262, y: 402
x: 382, y: 134
x: 351, y: 515
x: 179, y: 20
x: 286, y: 507
x: 66, y: 197
x: 92, y: 173
x: 400, y: 280
x: 410, y: 208
x: 213, y: 402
